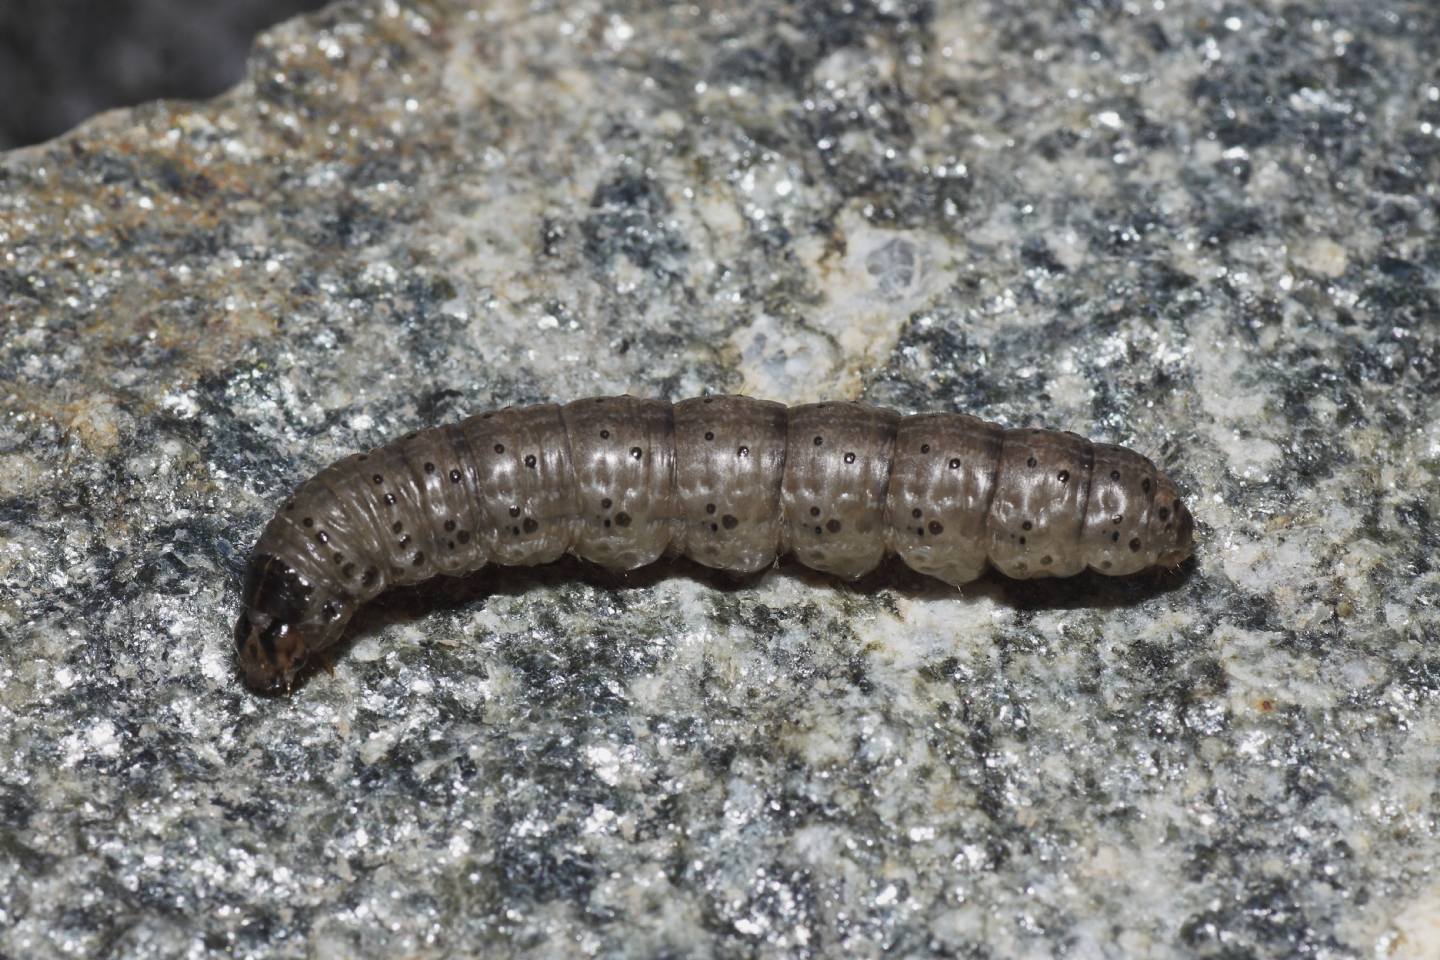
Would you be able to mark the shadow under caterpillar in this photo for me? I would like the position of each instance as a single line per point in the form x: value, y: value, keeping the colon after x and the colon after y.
x: 731, y: 482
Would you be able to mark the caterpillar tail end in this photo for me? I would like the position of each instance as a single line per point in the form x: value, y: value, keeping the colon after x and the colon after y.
x: 1177, y: 538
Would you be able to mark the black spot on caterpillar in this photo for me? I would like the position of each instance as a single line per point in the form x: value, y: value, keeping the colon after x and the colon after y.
x: 730, y: 482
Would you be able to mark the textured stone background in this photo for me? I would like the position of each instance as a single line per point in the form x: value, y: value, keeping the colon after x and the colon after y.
x: 1204, y: 229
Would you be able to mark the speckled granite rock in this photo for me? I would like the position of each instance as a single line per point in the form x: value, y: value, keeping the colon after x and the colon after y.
x: 1204, y: 229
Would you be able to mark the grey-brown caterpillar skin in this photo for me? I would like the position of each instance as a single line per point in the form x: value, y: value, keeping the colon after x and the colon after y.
x: 730, y: 482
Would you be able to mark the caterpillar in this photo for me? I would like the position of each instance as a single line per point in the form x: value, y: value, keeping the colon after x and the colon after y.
x: 729, y: 481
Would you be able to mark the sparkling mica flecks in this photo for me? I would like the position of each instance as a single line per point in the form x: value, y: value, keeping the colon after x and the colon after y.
x: 1204, y: 230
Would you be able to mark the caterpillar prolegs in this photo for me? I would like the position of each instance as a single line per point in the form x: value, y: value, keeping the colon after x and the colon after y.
x: 730, y: 482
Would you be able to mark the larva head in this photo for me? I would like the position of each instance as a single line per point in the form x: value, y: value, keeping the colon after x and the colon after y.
x: 1172, y: 529
x: 284, y: 622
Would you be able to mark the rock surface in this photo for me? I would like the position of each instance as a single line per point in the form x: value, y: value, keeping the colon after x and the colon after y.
x: 1207, y: 230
